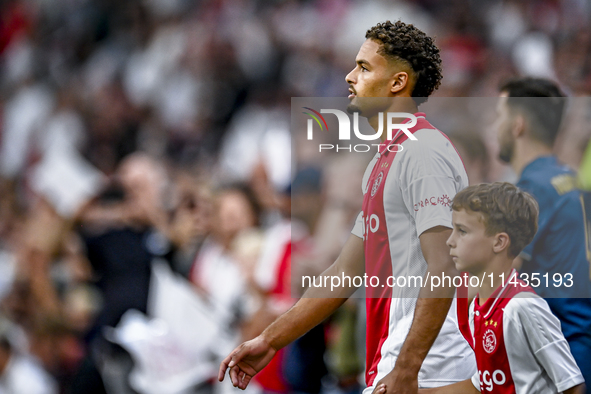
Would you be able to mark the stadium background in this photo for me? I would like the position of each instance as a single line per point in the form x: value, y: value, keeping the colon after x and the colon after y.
x: 158, y: 130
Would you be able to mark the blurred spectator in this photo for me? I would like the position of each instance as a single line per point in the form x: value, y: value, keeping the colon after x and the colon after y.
x: 268, y: 275
x: 473, y: 152
x: 203, y: 88
x: 121, y: 238
x: 216, y: 272
x: 20, y: 373
x: 259, y: 133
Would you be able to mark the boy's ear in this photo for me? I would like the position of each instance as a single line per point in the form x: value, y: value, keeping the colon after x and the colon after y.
x: 501, y: 243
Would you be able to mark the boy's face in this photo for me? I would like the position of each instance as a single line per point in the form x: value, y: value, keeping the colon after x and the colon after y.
x: 470, y: 247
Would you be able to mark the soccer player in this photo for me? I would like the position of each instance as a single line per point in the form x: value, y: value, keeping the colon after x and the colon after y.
x: 401, y: 231
x: 517, y: 340
x: 530, y: 112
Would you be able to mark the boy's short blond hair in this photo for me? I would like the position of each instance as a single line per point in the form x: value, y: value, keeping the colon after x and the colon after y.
x: 504, y: 208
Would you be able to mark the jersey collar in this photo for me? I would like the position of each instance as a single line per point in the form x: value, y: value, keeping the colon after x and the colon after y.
x: 386, y: 144
x: 539, y: 161
x: 490, y: 303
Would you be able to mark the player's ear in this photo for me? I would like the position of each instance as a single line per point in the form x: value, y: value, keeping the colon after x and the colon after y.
x: 501, y: 242
x: 399, y: 82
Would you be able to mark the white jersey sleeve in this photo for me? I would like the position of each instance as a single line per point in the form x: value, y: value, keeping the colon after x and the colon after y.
x: 358, y: 227
x: 533, y: 340
x: 431, y: 174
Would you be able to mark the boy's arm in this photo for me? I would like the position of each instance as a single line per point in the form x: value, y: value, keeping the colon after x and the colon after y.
x: 580, y: 389
x: 463, y: 387
x: 315, y: 306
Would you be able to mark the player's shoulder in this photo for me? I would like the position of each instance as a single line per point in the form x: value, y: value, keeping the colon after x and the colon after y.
x: 546, y: 177
x: 431, y: 154
x: 427, y: 137
x: 430, y: 144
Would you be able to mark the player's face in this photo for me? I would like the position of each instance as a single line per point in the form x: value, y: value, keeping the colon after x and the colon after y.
x: 371, y: 77
x: 470, y: 247
x: 504, y: 124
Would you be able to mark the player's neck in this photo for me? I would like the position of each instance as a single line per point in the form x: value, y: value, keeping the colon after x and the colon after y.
x: 494, y: 276
x: 399, y: 104
x: 527, y: 151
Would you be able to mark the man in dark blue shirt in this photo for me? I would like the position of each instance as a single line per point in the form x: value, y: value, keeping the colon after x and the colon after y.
x: 556, y: 262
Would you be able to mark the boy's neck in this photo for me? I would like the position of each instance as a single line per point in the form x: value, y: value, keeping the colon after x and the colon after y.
x: 500, y: 276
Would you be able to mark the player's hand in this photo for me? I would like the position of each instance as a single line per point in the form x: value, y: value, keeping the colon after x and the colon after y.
x: 398, y: 382
x: 246, y: 360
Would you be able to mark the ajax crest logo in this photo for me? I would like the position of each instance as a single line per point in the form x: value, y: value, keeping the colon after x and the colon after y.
x: 377, y: 183
x: 489, y: 341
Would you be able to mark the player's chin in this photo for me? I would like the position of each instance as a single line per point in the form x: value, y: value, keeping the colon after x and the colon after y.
x: 353, y: 107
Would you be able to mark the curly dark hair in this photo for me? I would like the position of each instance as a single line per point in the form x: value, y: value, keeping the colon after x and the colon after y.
x: 404, y: 41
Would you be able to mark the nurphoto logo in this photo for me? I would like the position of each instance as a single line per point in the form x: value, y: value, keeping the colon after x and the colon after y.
x: 344, y: 125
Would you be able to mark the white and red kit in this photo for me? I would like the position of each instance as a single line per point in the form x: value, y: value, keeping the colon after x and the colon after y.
x: 406, y: 193
x: 518, y: 343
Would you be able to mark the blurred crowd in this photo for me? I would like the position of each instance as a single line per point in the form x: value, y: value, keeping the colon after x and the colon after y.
x: 136, y: 134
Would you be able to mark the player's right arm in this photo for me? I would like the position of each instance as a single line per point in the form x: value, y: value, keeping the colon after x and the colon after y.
x: 315, y: 306
x: 463, y: 387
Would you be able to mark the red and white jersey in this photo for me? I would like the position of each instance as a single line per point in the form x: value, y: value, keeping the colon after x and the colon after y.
x: 406, y: 193
x: 518, y: 343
